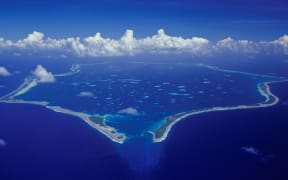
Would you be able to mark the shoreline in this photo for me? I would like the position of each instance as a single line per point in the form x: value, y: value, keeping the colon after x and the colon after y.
x: 158, y: 135
x: 162, y: 132
x: 100, y: 125
x: 96, y: 122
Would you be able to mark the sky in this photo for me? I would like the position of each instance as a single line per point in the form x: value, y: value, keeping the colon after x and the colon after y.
x: 212, y: 19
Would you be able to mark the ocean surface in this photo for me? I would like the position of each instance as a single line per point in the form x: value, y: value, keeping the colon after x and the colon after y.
x: 42, y: 144
x: 153, y: 90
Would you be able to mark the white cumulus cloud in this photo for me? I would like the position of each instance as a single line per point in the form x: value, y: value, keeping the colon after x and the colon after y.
x: 130, y: 111
x: 161, y: 42
x: 127, y: 45
x: 43, y: 75
x: 283, y: 43
x: 4, y: 71
x: 237, y: 46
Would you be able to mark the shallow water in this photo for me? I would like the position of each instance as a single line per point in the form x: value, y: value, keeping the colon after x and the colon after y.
x: 42, y: 144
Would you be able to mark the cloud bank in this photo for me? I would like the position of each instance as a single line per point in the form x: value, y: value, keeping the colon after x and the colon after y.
x: 4, y: 71
x: 43, y: 75
x: 127, y: 45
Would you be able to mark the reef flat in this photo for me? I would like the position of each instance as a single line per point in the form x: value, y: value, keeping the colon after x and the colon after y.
x: 161, y: 133
x: 94, y: 121
x: 125, y: 105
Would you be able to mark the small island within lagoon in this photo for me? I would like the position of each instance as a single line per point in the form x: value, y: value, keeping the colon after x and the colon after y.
x: 131, y: 99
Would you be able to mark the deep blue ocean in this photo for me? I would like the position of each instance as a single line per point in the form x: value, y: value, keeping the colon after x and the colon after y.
x: 42, y: 144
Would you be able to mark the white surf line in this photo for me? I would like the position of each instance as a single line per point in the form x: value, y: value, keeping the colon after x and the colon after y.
x: 263, y: 89
x: 18, y: 101
x: 215, y: 68
x: 28, y: 84
x: 75, y: 68
x: 106, y: 130
x: 31, y: 82
x: 28, y: 87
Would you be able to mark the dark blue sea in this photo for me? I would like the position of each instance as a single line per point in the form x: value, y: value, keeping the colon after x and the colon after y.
x: 41, y: 144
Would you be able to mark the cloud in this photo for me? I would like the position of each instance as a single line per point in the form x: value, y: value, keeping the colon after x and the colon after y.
x: 163, y: 43
x: 2, y: 143
x: 282, y: 42
x: 43, y: 75
x: 237, y: 46
x: 86, y: 94
x: 4, y: 71
x: 127, y: 45
x: 129, y: 111
x: 252, y: 150
x: 34, y: 38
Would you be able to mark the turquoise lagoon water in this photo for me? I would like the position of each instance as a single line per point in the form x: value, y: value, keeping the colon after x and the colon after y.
x: 152, y: 90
